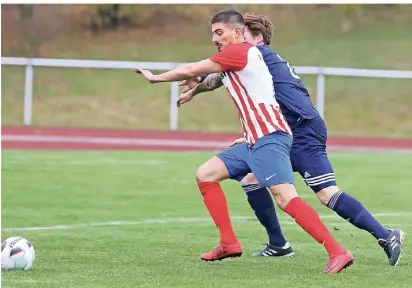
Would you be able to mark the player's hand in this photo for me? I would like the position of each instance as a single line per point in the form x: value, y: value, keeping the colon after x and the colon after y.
x: 190, y: 84
x: 146, y: 74
x: 238, y: 141
x: 184, y: 97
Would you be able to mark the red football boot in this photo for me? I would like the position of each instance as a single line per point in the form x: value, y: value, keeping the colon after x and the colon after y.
x: 338, y: 263
x: 223, y: 251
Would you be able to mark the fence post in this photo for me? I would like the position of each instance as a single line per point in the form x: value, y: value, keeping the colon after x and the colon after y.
x: 28, y: 94
x: 174, y: 94
x: 320, y: 94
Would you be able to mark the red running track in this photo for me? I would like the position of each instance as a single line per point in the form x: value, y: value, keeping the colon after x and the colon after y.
x: 63, y: 138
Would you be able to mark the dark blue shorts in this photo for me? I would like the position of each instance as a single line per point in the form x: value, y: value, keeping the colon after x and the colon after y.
x: 268, y: 159
x: 308, y: 154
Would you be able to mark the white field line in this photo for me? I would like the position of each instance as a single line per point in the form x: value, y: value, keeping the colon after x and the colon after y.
x: 167, y: 142
x: 73, y: 156
x: 180, y: 220
x: 78, y: 162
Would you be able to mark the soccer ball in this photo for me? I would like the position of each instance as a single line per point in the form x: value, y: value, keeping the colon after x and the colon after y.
x: 17, y: 253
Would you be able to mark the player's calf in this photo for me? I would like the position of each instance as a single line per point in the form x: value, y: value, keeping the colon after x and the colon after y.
x: 260, y: 200
x: 346, y: 206
x: 271, y: 165
x: 352, y: 210
x: 307, y: 218
x: 207, y: 176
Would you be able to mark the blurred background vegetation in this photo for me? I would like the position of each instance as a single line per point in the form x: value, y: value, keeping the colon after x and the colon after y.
x: 355, y: 36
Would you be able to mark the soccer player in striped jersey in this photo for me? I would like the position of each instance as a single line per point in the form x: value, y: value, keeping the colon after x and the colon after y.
x: 267, y: 134
x: 308, y: 153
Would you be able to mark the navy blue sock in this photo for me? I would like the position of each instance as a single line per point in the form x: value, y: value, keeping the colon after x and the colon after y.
x: 262, y: 204
x: 352, y: 210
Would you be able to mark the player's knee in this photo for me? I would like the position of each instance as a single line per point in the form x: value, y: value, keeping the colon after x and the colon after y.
x: 249, y: 179
x: 214, y: 170
x: 283, y: 193
x: 326, y: 194
x: 203, y: 174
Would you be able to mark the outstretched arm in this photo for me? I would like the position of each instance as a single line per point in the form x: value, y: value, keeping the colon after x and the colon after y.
x: 186, y: 71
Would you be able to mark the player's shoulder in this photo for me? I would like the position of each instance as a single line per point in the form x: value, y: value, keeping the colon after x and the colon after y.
x: 241, y: 48
x: 266, y: 50
x: 234, y: 57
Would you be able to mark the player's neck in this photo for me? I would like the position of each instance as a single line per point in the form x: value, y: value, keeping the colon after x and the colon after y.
x: 237, y: 42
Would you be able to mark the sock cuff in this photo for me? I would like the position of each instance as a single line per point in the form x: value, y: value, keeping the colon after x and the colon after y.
x: 252, y: 187
x: 334, y: 199
x: 204, y: 187
x: 290, y: 208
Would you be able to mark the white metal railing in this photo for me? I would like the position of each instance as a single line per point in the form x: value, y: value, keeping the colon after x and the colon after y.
x: 321, y: 72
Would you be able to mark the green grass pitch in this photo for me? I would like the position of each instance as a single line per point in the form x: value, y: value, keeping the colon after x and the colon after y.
x: 150, y: 224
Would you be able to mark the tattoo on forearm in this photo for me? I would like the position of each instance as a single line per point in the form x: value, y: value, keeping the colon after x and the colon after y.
x: 212, y: 82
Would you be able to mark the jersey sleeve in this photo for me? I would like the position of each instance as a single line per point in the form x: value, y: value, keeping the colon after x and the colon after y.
x: 233, y: 58
x: 203, y: 77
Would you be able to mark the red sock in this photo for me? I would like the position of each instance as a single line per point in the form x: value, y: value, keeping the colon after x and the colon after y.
x: 215, y: 202
x: 309, y: 220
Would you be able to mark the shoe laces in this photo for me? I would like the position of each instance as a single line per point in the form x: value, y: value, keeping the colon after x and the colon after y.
x: 386, y: 245
x: 219, y: 249
x: 266, y: 246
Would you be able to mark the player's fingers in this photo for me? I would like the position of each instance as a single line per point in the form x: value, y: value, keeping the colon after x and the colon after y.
x: 184, y: 82
x: 180, y: 100
x: 137, y: 70
x: 186, y: 89
x: 185, y: 99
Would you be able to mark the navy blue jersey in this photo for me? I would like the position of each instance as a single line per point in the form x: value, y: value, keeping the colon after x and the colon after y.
x: 290, y: 93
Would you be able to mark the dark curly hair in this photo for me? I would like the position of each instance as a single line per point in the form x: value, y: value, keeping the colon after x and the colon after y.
x: 259, y: 25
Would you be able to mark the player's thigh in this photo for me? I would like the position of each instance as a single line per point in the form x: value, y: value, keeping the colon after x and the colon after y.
x: 269, y: 159
x: 235, y: 160
x: 310, y: 159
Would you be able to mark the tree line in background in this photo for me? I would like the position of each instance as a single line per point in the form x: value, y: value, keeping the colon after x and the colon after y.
x: 100, y: 17
x: 29, y: 26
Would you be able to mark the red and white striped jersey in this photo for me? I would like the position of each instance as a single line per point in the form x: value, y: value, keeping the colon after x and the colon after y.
x: 249, y: 82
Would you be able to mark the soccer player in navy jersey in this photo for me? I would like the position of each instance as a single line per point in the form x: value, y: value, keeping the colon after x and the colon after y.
x: 308, y: 152
x: 268, y: 138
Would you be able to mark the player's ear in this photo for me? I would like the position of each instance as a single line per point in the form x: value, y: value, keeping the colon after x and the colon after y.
x: 239, y: 32
x: 259, y: 38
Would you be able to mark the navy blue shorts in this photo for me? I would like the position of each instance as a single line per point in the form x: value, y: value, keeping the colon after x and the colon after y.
x: 268, y: 159
x: 308, y: 154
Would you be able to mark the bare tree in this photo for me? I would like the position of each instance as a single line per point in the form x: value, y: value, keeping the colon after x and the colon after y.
x: 38, y: 26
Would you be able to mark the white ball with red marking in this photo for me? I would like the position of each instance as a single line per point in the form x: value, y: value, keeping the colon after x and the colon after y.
x: 17, y: 253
